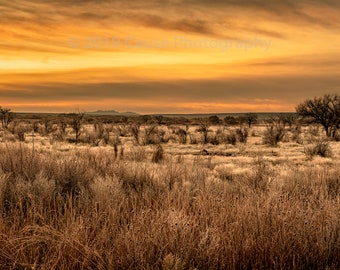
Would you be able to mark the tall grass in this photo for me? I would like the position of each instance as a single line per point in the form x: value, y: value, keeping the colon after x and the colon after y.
x: 84, y: 209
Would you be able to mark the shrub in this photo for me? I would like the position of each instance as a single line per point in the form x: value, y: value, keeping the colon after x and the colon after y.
x: 193, y: 139
x: 204, y: 129
x: 231, y: 138
x: 182, y: 135
x: 337, y: 136
x: 296, y: 134
x: 115, y: 141
x: 20, y: 132
x: 260, y: 176
x: 318, y: 148
x: 242, y: 134
x: 213, y: 139
x: 273, y: 134
x: 151, y: 135
x: 158, y: 154
x: 314, y: 130
x: 72, y: 176
x: 135, y: 131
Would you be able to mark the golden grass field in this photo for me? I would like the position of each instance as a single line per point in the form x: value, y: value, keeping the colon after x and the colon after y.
x: 162, y: 204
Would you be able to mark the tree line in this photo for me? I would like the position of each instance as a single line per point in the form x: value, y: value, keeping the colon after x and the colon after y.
x: 324, y: 111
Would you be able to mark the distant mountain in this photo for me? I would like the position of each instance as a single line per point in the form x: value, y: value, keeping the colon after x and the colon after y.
x: 112, y: 112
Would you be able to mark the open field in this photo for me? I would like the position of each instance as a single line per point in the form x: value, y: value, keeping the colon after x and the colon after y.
x: 160, y: 196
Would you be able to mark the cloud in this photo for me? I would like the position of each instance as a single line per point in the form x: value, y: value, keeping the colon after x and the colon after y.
x: 302, y: 59
x: 203, y: 17
x: 288, y: 90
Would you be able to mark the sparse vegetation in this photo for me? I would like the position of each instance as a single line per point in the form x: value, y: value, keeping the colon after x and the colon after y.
x: 137, y: 200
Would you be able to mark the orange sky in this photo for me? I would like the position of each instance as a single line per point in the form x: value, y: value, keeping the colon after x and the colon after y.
x: 167, y: 56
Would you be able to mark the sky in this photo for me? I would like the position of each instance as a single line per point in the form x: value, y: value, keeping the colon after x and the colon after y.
x: 167, y: 56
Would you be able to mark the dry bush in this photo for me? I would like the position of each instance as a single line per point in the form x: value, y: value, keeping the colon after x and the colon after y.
x: 260, y: 176
x: 274, y: 134
x: 337, y: 136
x: 91, y: 137
x: 121, y: 130
x: 158, y: 154
x: 231, y: 138
x: 135, y: 131
x: 216, y: 137
x: 221, y: 136
x: 35, y: 126
x: 319, y: 147
x: 72, y: 176
x: 242, y: 134
x: 193, y: 138
x: 57, y: 136
x: 152, y: 135
x: 296, y: 134
x: 212, y: 139
x: 181, y: 134
x: 20, y: 131
x: 204, y: 129
x: 115, y: 142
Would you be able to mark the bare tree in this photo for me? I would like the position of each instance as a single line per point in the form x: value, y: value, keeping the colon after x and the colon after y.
x: 204, y: 129
x: 76, y: 122
x: 6, y: 116
x: 251, y: 118
x: 135, y: 130
x: 63, y: 125
x: 322, y: 110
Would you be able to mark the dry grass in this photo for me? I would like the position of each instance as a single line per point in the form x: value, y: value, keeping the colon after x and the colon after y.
x: 82, y: 207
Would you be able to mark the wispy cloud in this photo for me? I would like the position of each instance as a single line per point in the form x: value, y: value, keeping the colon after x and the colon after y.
x: 38, y: 65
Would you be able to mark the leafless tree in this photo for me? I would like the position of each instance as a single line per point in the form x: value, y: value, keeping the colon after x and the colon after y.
x: 76, y: 122
x: 251, y: 118
x: 6, y: 116
x: 135, y: 130
x: 322, y: 110
x: 204, y: 129
x: 63, y: 125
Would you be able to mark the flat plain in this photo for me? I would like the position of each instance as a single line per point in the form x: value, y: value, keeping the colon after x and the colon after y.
x: 130, y: 195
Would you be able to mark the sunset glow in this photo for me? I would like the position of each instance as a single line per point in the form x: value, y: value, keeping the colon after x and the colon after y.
x: 167, y: 56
